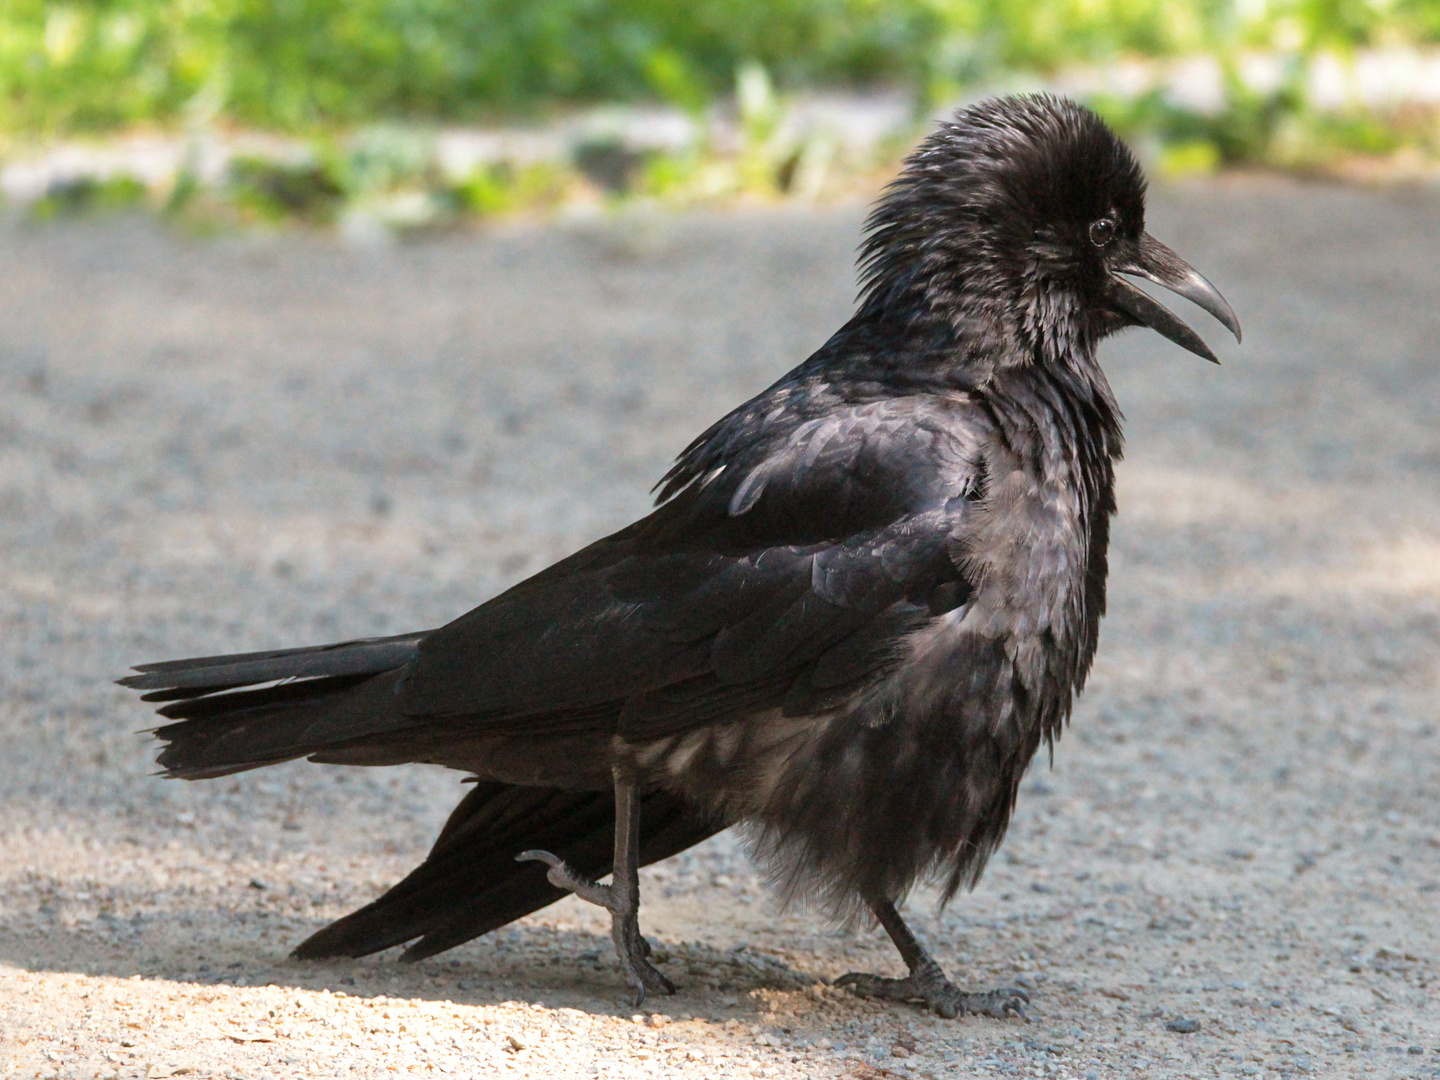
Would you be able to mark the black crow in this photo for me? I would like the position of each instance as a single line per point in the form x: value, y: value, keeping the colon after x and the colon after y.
x: 865, y: 598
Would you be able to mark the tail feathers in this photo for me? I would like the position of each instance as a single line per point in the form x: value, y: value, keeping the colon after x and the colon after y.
x: 470, y: 884
x: 250, y: 709
x: 234, y: 731
x: 172, y: 679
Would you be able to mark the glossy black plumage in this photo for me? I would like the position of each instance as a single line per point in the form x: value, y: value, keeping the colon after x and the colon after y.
x: 866, y: 598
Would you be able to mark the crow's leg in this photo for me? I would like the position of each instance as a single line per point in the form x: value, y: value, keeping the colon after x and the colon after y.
x: 926, y: 982
x: 622, y: 898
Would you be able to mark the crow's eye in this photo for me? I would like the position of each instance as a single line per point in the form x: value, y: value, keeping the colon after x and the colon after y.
x: 1102, y: 231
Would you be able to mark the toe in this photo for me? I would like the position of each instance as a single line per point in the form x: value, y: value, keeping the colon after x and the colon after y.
x: 877, y: 986
x: 563, y: 877
x: 1001, y: 1004
x: 863, y: 984
x: 645, y: 978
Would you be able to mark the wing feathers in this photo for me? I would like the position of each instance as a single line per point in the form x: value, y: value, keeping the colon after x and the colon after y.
x: 842, y: 517
x: 811, y: 535
x: 470, y: 883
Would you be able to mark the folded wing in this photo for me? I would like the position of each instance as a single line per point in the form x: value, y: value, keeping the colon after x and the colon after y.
x: 785, y: 568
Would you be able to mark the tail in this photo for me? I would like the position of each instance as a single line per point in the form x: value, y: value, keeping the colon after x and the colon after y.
x: 337, y: 703
x: 251, y: 709
x: 471, y: 884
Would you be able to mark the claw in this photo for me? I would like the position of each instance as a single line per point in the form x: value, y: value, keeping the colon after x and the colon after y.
x: 621, y: 898
x: 1002, y: 1002
x: 563, y: 877
x: 929, y: 985
x: 630, y: 946
x: 927, y: 982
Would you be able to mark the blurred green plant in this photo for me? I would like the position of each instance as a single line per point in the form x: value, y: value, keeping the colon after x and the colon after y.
x: 363, y: 83
x: 71, y: 66
x: 274, y: 191
x: 503, y: 188
x: 1278, y: 127
x: 88, y: 195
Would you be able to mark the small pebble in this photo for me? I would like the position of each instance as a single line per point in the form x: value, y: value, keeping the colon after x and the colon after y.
x: 1185, y: 1025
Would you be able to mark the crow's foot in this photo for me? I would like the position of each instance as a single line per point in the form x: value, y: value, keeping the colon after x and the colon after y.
x: 630, y: 945
x: 928, y: 984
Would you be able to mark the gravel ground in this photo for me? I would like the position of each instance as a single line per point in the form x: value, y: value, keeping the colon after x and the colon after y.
x: 208, y: 446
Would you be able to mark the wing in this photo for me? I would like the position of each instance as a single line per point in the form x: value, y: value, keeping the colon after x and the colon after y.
x: 471, y: 884
x: 792, y: 559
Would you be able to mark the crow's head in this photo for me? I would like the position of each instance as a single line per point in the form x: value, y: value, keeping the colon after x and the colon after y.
x: 1018, y: 220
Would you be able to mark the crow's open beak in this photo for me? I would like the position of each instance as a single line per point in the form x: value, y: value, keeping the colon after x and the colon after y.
x: 1155, y: 261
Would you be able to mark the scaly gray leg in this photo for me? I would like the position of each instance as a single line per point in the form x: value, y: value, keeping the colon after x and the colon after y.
x: 622, y: 898
x: 926, y: 982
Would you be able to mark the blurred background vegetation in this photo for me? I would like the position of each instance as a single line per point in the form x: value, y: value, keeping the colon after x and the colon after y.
x: 319, y: 69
